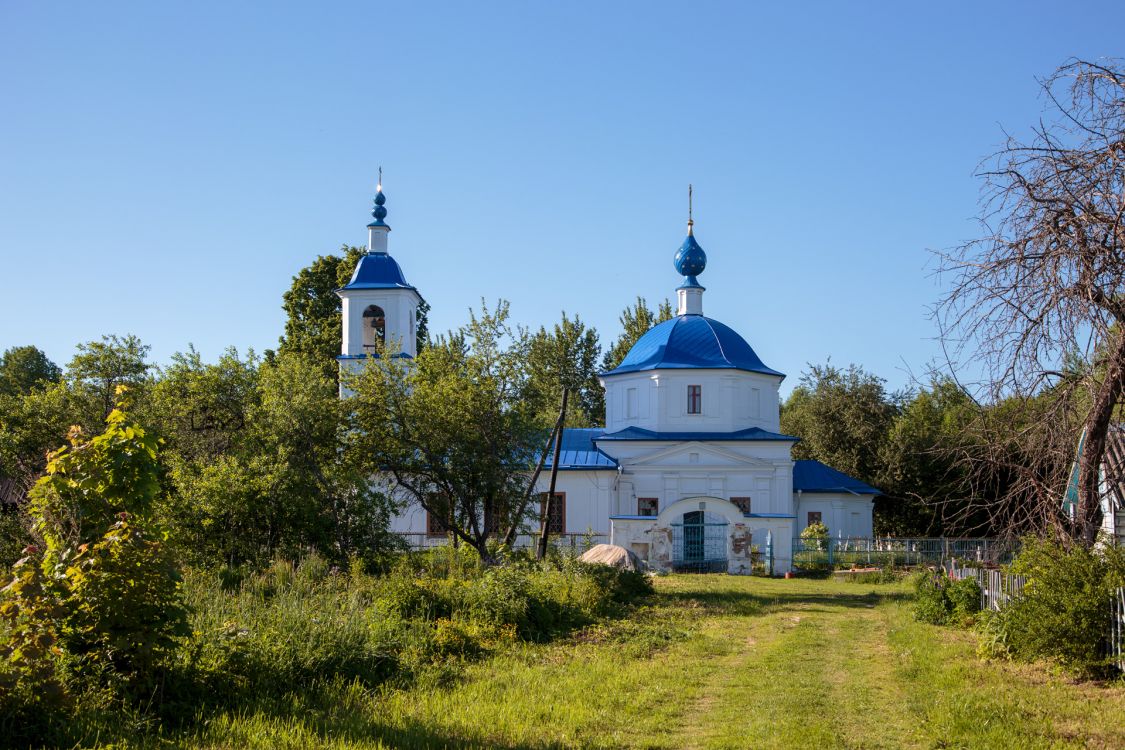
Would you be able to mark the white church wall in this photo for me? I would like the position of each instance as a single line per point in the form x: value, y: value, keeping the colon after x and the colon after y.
x: 587, y: 498
x: 657, y: 400
x: 845, y: 515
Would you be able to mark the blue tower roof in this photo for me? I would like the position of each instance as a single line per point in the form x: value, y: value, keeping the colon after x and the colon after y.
x: 378, y: 271
x: 692, y: 342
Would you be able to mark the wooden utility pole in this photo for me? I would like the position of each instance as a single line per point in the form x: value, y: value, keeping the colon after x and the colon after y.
x: 545, y: 522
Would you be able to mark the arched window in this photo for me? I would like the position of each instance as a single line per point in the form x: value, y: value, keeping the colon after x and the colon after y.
x: 374, y: 327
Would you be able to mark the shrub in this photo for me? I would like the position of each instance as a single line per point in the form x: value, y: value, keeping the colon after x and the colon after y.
x: 940, y: 600
x: 30, y: 689
x: 1062, y: 614
x: 815, y: 536
x: 124, y: 614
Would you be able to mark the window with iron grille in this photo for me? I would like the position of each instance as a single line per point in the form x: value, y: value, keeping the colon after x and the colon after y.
x: 436, y: 525
x: 814, y: 517
x: 556, y: 524
x: 743, y: 503
x: 648, y: 506
x: 695, y: 399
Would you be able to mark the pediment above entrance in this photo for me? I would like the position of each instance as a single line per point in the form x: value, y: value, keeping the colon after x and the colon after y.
x: 692, y: 455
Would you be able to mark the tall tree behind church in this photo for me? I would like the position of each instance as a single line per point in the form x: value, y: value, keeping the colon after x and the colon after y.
x: 566, y: 357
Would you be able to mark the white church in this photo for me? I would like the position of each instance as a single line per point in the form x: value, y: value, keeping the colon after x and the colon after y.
x: 691, y: 470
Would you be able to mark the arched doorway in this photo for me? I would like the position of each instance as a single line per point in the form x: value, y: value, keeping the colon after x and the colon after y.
x: 699, y: 542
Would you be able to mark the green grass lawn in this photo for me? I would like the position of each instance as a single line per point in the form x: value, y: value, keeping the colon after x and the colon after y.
x: 713, y: 662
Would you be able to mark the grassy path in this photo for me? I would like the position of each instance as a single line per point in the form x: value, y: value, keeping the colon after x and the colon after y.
x: 721, y: 662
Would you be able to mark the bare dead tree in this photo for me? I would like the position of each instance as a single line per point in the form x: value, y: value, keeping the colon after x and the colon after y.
x: 1039, y: 299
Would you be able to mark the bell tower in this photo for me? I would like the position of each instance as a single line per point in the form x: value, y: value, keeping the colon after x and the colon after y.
x: 380, y: 309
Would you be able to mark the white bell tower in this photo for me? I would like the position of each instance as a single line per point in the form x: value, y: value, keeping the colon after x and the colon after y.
x: 380, y: 309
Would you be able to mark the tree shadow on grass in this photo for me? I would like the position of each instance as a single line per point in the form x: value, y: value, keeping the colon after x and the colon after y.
x: 747, y: 603
x: 414, y: 736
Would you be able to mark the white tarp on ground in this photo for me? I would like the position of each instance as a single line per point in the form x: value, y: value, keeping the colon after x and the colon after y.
x: 611, y: 554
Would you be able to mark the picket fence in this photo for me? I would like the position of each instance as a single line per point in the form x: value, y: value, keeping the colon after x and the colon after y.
x: 997, y: 588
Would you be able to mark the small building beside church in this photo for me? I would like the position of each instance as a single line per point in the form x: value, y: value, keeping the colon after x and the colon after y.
x: 690, y: 471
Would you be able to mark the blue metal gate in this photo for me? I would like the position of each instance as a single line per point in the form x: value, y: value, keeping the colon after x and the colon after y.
x: 699, y: 545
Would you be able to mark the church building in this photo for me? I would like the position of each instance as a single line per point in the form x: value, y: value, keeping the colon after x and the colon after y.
x: 690, y: 471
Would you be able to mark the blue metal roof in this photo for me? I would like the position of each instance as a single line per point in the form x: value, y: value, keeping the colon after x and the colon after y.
x: 813, y: 476
x: 579, y: 452
x: 638, y: 433
x: 377, y: 271
x: 692, y: 342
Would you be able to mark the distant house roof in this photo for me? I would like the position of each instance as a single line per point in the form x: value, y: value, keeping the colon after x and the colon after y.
x: 639, y: 433
x: 1112, y: 472
x: 813, y: 476
x: 377, y: 271
x: 691, y: 342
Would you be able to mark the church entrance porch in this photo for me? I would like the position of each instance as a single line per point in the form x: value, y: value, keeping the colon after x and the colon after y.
x: 699, y: 543
x: 706, y: 534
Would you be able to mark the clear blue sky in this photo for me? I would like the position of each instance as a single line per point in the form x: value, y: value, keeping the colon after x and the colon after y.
x: 165, y: 168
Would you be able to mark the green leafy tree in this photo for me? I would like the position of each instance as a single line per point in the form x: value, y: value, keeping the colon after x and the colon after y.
x: 202, y: 410
x: 635, y: 322
x: 921, y: 473
x: 313, y: 324
x: 843, y: 418
x: 33, y: 424
x: 269, y: 474
x: 25, y: 368
x: 454, y: 431
x: 566, y: 357
x: 100, y: 367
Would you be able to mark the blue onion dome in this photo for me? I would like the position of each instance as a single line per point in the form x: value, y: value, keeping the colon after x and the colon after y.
x: 692, y: 342
x: 380, y: 211
x: 690, y: 259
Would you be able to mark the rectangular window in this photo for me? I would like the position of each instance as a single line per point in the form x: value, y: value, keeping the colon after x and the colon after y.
x: 695, y: 399
x: 438, y: 520
x: 435, y: 525
x: 648, y: 506
x: 743, y: 503
x: 814, y: 517
x: 556, y: 524
x: 630, y: 403
x: 492, y: 522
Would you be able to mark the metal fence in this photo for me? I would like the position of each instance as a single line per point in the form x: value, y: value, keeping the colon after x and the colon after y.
x: 1116, y: 640
x: 578, y: 543
x: 998, y: 588
x: 897, y: 551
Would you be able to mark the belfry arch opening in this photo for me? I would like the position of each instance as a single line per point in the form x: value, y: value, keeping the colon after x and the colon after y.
x: 374, y: 327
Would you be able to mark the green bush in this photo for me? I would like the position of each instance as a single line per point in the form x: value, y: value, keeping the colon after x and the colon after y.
x: 1062, y: 614
x: 940, y: 600
x: 123, y: 611
x: 30, y: 686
